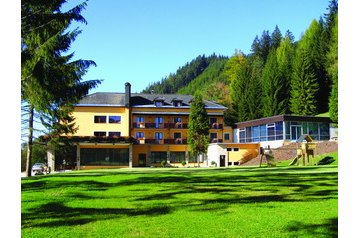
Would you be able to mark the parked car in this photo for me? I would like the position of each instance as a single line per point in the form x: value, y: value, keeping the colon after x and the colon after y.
x: 39, y: 168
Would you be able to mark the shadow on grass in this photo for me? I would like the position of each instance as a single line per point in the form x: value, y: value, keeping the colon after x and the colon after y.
x: 218, y: 191
x: 328, y: 229
x: 68, y: 216
x: 326, y: 160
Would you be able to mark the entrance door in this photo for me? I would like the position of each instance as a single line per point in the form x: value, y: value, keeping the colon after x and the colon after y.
x: 142, y: 160
x: 222, y: 160
x: 296, y: 132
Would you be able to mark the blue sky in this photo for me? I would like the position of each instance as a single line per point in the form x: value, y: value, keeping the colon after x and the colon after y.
x: 143, y: 41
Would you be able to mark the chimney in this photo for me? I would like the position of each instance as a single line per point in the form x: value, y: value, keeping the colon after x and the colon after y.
x: 127, y: 100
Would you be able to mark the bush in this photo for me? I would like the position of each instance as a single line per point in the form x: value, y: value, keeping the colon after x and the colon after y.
x: 183, y: 163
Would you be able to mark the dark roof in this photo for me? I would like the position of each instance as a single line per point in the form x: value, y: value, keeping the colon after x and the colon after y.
x: 141, y: 100
x: 278, y: 118
x: 103, y: 99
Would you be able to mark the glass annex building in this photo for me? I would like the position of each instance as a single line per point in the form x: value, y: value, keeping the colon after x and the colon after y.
x: 282, y: 127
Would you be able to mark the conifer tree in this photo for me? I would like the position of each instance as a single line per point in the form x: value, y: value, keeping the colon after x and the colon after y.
x: 304, y: 86
x: 50, y: 81
x: 332, y: 68
x: 198, y: 128
x: 276, y: 38
x: 273, y: 87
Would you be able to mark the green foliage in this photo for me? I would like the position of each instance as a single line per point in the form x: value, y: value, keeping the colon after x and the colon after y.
x: 273, y: 88
x: 184, y: 75
x: 332, y: 68
x: 304, y: 86
x: 198, y: 133
x: 50, y: 81
x: 315, y: 44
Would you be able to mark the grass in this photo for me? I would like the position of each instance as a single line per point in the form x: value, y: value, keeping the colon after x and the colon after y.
x: 323, y: 159
x: 214, y: 202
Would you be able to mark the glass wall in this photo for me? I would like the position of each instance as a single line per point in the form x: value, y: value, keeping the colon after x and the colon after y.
x: 105, y: 156
x: 272, y: 131
x: 293, y: 130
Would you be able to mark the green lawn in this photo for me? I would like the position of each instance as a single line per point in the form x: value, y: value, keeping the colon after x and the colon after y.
x: 196, y: 202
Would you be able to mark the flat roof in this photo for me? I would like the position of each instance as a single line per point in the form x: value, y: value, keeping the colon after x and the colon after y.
x: 278, y: 118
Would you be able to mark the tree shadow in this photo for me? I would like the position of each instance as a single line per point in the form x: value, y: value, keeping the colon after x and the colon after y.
x: 328, y: 229
x: 63, y: 215
x: 326, y: 160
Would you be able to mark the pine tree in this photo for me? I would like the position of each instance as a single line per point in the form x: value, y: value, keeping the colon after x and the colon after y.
x: 273, y: 89
x: 332, y: 68
x: 316, y: 47
x: 276, y: 38
x: 50, y: 82
x: 304, y: 86
x: 198, y: 128
x: 285, y: 54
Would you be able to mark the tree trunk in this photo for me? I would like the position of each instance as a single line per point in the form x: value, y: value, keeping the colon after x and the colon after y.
x: 29, y: 141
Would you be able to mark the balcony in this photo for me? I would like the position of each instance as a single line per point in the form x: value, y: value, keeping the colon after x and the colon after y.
x: 177, y: 141
x: 178, y: 125
x: 216, y: 126
x: 216, y: 140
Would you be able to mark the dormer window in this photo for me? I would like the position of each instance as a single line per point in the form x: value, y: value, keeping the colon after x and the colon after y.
x: 158, y: 102
x: 177, y: 102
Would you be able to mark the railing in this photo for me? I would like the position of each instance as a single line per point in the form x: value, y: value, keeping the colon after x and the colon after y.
x: 215, y: 140
x: 216, y: 126
x: 162, y: 141
x: 178, y: 125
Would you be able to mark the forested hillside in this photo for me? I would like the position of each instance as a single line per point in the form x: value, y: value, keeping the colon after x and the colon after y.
x: 206, y: 68
x: 279, y: 75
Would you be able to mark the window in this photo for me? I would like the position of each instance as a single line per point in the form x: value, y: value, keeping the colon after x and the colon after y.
x: 158, y: 103
x: 263, y: 135
x: 114, y: 119
x: 99, y: 133
x: 323, y: 131
x: 255, y: 133
x: 139, y: 135
x: 226, y: 136
x: 177, y: 119
x: 242, y: 132
x: 236, y: 149
x: 100, y: 119
x: 139, y: 119
x: 270, y: 131
x: 114, y: 134
x: 159, y: 136
x: 177, y: 157
x: 213, y: 120
x: 279, y: 130
x: 213, y: 137
x: 313, y: 130
x: 228, y: 149
x: 158, y: 122
x: 177, y: 103
x: 177, y: 135
x: 105, y: 156
x: 158, y: 156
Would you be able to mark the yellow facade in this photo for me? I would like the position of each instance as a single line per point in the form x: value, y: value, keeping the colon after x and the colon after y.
x: 173, y: 139
x: 86, y: 125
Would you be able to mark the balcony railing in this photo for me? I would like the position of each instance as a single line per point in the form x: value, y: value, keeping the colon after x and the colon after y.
x: 178, y: 125
x: 216, y: 126
x: 162, y: 141
x: 216, y: 140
